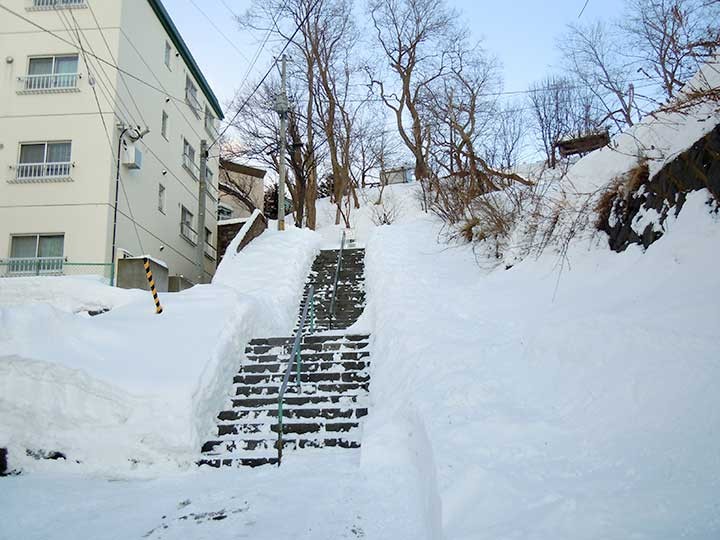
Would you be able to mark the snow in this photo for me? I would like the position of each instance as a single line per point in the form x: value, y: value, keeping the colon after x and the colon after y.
x: 65, y: 293
x: 549, y: 405
x: 570, y: 396
x: 151, y: 383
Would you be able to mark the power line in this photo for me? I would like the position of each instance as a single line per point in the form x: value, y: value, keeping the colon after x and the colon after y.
x: 100, y: 59
x: 109, y: 49
x: 267, y: 73
x: 219, y: 31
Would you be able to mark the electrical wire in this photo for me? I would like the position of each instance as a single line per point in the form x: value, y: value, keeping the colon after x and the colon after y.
x: 267, y: 73
x: 219, y: 31
x: 100, y: 59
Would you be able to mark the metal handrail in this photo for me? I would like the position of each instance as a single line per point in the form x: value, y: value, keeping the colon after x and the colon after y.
x: 337, y: 276
x: 295, y: 356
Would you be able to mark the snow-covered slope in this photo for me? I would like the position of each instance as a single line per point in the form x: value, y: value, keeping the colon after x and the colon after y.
x: 129, y: 384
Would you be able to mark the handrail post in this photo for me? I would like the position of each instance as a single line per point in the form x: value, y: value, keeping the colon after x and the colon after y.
x: 295, y: 356
x: 280, y: 430
x: 337, y: 276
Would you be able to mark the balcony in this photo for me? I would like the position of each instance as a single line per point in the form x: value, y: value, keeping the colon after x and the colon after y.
x: 34, y: 266
x: 211, y: 128
x: 188, y: 233
x: 43, y: 172
x: 49, y: 84
x: 210, y: 251
x: 191, y: 167
x: 40, y: 5
x: 192, y: 101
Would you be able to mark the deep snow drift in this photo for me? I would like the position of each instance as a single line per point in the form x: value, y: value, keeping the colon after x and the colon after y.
x: 129, y: 384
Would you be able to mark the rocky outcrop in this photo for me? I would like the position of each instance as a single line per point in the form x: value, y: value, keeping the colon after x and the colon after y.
x: 635, y: 208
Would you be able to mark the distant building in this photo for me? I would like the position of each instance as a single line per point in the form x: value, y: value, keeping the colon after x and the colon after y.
x: 399, y: 175
x: 242, y: 189
x: 64, y: 118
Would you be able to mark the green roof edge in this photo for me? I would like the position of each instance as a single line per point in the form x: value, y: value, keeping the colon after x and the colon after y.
x: 182, y: 48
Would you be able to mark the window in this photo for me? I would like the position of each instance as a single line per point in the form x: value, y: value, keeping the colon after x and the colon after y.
x: 210, y: 122
x: 224, y: 212
x: 161, y: 198
x: 45, y: 160
x: 36, y: 254
x: 51, y: 73
x: 209, y: 248
x: 164, y: 125
x: 186, y: 225
x: 168, y: 54
x: 188, y: 159
x: 191, y: 97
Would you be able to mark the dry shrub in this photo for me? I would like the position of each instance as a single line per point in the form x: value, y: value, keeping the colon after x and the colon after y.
x: 620, y: 189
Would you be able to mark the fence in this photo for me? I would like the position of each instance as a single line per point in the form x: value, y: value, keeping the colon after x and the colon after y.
x: 53, y: 266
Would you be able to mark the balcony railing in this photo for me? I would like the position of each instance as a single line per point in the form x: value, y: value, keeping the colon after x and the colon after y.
x: 34, y: 266
x: 191, y: 166
x: 187, y: 232
x: 57, y: 82
x: 210, y: 251
x: 192, y: 101
x: 54, y: 4
x: 211, y: 128
x: 31, y: 172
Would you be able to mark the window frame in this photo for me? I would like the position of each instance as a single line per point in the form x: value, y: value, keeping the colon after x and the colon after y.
x: 167, y: 55
x: 45, y: 152
x: 164, y: 120
x: 54, y: 58
x: 162, y: 198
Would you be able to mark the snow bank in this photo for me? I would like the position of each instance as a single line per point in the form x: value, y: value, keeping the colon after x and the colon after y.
x: 130, y: 384
x: 580, y: 404
x: 66, y: 293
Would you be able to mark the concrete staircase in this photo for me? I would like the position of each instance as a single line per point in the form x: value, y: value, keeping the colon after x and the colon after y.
x: 326, y: 410
x: 350, y: 297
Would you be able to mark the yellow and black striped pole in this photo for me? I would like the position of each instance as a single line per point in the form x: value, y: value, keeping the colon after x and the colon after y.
x: 151, y: 281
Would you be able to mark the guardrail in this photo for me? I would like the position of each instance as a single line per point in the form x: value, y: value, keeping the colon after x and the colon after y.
x: 335, y: 283
x: 296, y: 358
x: 16, y: 267
x: 33, y: 171
x: 192, y: 167
x: 51, y: 4
x: 55, y: 82
x: 188, y: 233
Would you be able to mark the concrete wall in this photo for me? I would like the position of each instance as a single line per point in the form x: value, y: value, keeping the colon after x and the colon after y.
x: 81, y: 209
x: 131, y: 274
x: 252, y: 185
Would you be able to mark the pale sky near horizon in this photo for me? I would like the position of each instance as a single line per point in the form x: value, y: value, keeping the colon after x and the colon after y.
x: 521, y: 34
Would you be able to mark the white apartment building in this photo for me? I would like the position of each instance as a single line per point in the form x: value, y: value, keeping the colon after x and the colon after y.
x: 79, y: 80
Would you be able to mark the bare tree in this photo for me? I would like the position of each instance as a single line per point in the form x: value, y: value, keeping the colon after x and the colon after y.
x: 509, y: 135
x: 561, y: 108
x: 593, y: 56
x: 414, y: 37
x: 671, y: 38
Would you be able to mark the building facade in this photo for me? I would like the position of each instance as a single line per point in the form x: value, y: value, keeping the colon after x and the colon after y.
x: 102, y: 113
x: 242, y: 190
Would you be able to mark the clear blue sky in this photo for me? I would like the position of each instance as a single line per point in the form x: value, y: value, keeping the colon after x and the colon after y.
x: 521, y: 34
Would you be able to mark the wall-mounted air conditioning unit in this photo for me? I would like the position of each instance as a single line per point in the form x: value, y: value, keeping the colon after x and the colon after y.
x: 133, y: 157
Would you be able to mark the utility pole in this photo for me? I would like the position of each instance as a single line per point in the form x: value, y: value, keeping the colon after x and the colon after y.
x: 201, y: 211
x: 282, y: 106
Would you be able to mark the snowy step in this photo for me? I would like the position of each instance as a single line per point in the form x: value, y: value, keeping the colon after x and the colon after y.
x: 341, y: 400
x: 267, y: 448
x: 306, y: 367
x: 309, y: 339
x: 271, y: 414
x: 308, y: 356
x: 309, y: 377
x: 324, y: 346
x: 307, y: 388
x: 296, y: 427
